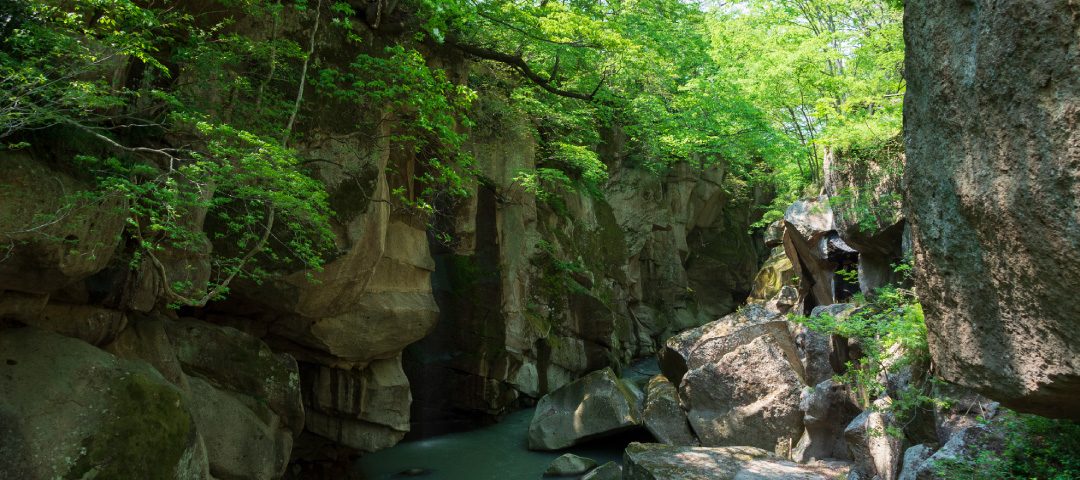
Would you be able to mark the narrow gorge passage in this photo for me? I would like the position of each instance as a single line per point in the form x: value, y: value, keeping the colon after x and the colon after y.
x: 344, y: 239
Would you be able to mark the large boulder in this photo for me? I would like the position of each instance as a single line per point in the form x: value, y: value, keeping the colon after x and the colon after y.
x: 913, y: 459
x: 242, y: 441
x: 991, y: 184
x: 48, y: 250
x: 773, y: 275
x: 607, y: 471
x: 244, y: 398
x: 663, y: 417
x: 731, y: 331
x: 749, y: 397
x: 815, y: 250
x: 569, y: 464
x: 236, y: 362
x: 593, y: 406
x: 652, y: 461
x: 876, y: 451
x: 827, y: 409
x: 864, y: 188
x: 71, y: 410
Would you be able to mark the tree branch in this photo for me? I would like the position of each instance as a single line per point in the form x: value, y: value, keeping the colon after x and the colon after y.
x: 521, y: 66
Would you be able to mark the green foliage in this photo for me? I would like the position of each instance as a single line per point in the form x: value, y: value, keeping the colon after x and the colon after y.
x: 826, y: 72
x: 874, y: 165
x: 891, y: 331
x: 428, y: 111
x: 230, y: 163
x: 1033, y: 448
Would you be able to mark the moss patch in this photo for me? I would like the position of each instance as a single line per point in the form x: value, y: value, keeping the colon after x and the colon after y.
x: 144, y: 435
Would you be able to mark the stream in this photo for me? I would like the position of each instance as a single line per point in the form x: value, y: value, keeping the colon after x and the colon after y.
x: 497, y: 452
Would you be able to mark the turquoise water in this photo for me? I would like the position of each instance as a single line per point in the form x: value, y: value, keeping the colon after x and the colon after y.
x: 492, y: 453
x: 497, y: 452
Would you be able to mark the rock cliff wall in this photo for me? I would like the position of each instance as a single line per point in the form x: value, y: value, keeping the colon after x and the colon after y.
x: 535, y: 292
x: 529, y: 295
x: 991, y: 115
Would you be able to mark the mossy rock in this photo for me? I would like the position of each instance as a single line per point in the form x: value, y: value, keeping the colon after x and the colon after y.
x: 146, y: 437
x: 70, y: 410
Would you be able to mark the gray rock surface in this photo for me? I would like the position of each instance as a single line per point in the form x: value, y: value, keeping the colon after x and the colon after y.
x: 593, y: 406
x: 827, y: 409
x: 876, y: 453
x: 673, y: 358
x: 652, y: 461
x: 913, y: 459
x: 569, y: 464
x: 991, y: 182
x: 663, y: 416
x: 74, y: 411
x: 964, y: 446
x: 749, y: 397
x: 607, y: 471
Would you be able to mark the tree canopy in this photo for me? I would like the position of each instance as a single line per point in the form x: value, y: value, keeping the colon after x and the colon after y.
x: 208, y: 123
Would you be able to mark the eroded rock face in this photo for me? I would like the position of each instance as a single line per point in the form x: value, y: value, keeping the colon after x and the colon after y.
x: 814, y: 249
x: 594, y: 406
x: 367, y: 410
x: 991, y: 115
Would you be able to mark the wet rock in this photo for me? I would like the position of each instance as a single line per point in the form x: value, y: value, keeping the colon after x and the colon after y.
x: 663, y: 417
x: 72, y: 410
x: 990, y: 188
x: 593, y: 406
x: 569, y: 464
x: 749, y: 397
x: 876, y: 452
x: 827, y: 409
x: 607, y: 471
